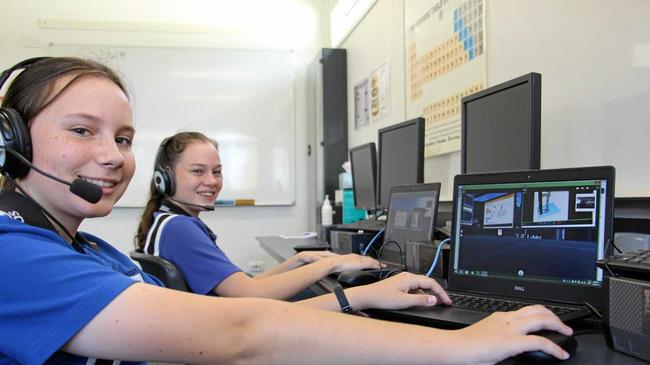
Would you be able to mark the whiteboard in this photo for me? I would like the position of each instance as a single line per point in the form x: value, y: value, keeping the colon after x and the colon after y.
x: 241, y: 98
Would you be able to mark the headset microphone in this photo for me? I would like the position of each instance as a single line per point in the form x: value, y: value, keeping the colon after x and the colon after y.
x: 87, y: 191
x: 206, y: 207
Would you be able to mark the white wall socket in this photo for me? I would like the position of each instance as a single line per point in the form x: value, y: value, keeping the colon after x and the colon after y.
x: 256, y: 266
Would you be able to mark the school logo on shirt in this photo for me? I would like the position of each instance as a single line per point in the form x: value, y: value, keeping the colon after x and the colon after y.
x: 13, y: 214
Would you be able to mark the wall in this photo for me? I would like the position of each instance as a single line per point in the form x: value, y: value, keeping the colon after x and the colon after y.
x: 377, y: 38
x: 594, y: 57
x: 252, y: 24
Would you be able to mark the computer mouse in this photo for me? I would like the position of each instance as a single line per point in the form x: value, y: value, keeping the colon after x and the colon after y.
x: 356, y: 278
x: 567, y: 343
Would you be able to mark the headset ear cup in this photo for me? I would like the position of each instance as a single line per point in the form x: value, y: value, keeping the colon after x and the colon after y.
x: 159, y: 181
x: 15, y: 135
x: 163, y: 180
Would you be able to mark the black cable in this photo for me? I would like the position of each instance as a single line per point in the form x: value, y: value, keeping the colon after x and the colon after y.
x: 28, y: 163
x: 610, y: 242
x: 381, y: 249
x: 586, y: 332
x: 75, y: 244
x: 593, y: 310
x: 606, y: 259
x: 381, y: 212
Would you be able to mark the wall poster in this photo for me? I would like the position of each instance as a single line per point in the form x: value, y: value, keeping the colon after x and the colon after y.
x: 445, y: 61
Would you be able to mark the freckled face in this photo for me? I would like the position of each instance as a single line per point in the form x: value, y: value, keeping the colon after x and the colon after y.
x: 86, y: 132
x: 198, y: 175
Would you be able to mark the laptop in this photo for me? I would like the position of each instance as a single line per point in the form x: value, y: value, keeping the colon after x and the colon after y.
x: 412, y: 211
x: 528, y: 237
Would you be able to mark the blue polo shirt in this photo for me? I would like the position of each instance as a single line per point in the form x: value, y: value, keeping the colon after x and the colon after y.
x: 191, y: 246
x: 49, y: 291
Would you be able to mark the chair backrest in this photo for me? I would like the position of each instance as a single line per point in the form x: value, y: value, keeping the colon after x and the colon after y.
x: 164, y: 270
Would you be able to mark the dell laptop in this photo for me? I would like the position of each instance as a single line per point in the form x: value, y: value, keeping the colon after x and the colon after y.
x: 528, y: 237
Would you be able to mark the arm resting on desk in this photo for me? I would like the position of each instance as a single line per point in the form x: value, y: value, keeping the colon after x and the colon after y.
x: 157, y: 324
x: 293, y: 280
x: 297, y: 260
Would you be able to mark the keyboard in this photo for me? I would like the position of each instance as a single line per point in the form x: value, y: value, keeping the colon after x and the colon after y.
x: 367, y: 225
x: 635, y: 263
x: 489, y: 305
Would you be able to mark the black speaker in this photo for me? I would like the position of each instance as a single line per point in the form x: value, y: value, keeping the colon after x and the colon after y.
x: 627, y: 323
x: 335, y: 116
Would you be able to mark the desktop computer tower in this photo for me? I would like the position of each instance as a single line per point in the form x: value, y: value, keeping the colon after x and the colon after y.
x: 349, y: 242
x: 324, y: 234
x: 420, y: 255
x: 627, y: 323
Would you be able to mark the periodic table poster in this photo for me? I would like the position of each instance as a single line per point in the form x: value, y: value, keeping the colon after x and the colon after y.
x: 445, y: 61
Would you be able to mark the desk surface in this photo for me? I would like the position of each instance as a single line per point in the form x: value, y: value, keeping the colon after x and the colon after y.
x: 592, y: 348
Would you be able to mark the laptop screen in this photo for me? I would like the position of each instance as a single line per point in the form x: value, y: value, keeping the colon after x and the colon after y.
x: 541, y: 228
x: 411, y: 217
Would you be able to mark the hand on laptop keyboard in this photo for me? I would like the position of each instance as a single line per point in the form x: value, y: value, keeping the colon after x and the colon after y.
x: 399, y: 292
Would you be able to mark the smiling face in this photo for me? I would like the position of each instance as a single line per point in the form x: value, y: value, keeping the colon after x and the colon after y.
x: 85, y: 132
x: 198, y: 175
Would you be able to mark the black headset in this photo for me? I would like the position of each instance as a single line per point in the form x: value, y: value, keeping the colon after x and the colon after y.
x: 163, y: 176
x: 14, y: 133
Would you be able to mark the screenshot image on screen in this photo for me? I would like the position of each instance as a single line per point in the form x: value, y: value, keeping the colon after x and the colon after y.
x: 547, y: 231
x: 411, y: 216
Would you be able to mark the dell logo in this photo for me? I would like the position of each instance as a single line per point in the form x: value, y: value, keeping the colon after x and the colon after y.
x: 519, y: 288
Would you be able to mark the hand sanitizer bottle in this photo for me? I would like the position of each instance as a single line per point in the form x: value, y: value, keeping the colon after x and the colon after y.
x: 326, y: 212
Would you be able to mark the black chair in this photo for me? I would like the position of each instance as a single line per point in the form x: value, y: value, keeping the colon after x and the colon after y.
x: 162, y: 269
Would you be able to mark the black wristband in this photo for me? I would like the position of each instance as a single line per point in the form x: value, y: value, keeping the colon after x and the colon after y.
x: 343, y: 300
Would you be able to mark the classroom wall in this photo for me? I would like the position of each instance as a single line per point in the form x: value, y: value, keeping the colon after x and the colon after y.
x: 254, y: 24
x: 594, y: 57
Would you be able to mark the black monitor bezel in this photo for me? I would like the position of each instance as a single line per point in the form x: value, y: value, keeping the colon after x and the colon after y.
x: 434, y: 186
x: 373, y: 162
x: 535, y: 81
x: 419, y: 122
x: 539, y: 290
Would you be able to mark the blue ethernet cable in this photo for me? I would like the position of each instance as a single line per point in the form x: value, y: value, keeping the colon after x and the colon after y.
x: 365, y: 252
x: 436, y: 257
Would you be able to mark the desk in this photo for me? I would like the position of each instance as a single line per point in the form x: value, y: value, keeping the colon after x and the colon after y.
x: 282, y: 248
x: 591, y: 347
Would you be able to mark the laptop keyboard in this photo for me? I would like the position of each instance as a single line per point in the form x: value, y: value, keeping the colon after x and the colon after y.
x: 490, y: 305
x: 367, y: 225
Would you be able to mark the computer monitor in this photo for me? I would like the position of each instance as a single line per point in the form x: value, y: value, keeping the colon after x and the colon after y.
x: 401, y: 157
x: 363, y: 161
x: 500, y: 127
x: 411, y: 217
